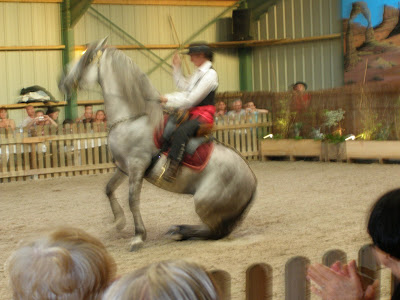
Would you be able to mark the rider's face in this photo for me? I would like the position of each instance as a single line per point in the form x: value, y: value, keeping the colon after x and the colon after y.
x: 197, y: 59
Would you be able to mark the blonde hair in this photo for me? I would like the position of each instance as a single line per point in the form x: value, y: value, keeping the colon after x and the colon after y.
x: 66, y: 264
x: 166, y: 280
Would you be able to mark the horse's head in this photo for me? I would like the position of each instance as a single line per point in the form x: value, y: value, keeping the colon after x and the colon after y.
x: 83, y: 72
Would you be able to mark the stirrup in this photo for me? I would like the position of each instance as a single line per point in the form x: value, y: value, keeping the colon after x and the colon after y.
x: 169, y: 174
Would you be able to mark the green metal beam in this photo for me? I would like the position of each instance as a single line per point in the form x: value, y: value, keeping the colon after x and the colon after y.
x: 197, y: 33
x: 78, y: 9
x: 67, y: 36
x: 103, y: 17
x: 246, y: 69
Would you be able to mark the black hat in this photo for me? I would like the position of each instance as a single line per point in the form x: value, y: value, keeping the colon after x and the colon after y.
x: 199, y: 48
x: 300, y: 82
x: 51, y: 110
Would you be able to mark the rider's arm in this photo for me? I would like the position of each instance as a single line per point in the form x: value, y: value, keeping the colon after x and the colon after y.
x: 207, y: 84
x: 181, y: 82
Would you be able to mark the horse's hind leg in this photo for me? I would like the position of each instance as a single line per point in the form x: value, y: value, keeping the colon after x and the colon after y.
x: 135, y: 186
x: 185, y: 232
x: 112, y: 185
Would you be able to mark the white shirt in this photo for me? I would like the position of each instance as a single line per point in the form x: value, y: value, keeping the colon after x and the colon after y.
x: 26, y: 121
x: 194, y: 89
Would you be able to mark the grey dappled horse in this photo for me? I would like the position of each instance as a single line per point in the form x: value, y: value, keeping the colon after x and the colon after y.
x: 222, y: 192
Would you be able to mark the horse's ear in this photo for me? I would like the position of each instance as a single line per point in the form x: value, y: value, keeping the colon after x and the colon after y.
x: 102, y: 43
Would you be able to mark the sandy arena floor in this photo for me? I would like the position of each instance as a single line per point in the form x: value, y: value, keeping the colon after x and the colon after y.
x: 302, y: 208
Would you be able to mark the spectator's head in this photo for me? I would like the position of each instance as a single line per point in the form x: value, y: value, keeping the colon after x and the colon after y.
x: 384, y: 229
x: 68, y: 121
x: 237, y: 105
x: 200, y: 53
x: 300, y: 86
x: 250, y: 106
x: 30, y: 110
x: 66, y: 264
x: 88, y: 111
x: 100, y: 116
x: 53, y: 112
x: 167, y: 280
x: 220, y: 106
x: 3, y: 113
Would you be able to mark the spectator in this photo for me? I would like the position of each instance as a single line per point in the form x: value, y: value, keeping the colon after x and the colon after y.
x: 100, y: 117
x: 237, y: 109
x: 220, y: 109
x: 343, y: 282
x: 5, y: 122
x: 30, y: 110
x: 66, y: 264
x: 299, y: 86
x: 301, y: 99
x: 67, y: 122
x: 87, y: 116
x: 53, y: 113
x: 251, y: 108
x: 40, y: 120
x: 167, y: 280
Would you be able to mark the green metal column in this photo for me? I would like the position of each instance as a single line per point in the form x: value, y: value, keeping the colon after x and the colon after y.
x: 246, y: 69
x: 67, y: 36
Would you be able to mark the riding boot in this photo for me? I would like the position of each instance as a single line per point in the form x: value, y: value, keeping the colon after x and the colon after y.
x: 172, y: 171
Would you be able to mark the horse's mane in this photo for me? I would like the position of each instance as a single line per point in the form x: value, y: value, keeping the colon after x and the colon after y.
x: 136, y: 86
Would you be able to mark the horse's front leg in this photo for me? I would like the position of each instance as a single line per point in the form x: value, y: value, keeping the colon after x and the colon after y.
x: 135, y: 186
x: 112, y: 185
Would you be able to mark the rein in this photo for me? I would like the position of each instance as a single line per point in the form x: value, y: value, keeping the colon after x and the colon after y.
x: 111, y: 127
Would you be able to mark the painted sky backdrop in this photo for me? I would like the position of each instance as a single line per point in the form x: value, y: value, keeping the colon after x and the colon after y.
x: 375, y: 6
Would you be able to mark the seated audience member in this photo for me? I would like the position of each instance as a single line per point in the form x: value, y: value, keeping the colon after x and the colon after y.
x: 251, y: 108
x: 237, y: 109
x: 67, y: 264
x: 53, y: 113
x: 301, y: 99
x: 166, y: 280
x: 67, y: 122
x: 30, y: 110
x: 343, y: 282
x: 100, y: 117
x: 87, y: 116
x: 220, y: 109
x: 40, y: 120
x: 5, y: 122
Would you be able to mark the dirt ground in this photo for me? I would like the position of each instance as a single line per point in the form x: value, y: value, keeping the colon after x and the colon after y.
x: 302, y: 208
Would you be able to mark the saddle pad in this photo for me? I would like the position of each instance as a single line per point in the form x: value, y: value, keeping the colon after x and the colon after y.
x: 198, y: 160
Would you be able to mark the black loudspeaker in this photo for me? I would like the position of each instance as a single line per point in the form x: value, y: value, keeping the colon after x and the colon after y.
x: 241, y: 24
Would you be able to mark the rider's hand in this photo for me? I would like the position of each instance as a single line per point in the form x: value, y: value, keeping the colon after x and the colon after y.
x: 176, y: 60
x: 163, y: 100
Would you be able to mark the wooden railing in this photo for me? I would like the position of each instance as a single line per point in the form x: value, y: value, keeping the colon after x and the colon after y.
x: 259, y: 276
x: 50, y: 151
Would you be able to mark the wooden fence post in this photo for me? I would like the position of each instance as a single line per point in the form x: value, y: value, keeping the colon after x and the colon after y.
x: 368, y: 267
x: 259, y: 282
x: 297, y: 286
x: 333, y: 256
x: 222, y: 280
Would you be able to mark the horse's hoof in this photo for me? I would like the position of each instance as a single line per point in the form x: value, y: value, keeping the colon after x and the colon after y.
x: 120, y: 223
x: 136, y: 244
x: 174, y: 232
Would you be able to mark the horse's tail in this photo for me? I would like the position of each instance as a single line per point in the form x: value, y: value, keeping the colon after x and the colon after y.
x: 227, y: 225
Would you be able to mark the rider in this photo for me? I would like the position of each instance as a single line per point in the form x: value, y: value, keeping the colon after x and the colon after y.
x: 196, y: 95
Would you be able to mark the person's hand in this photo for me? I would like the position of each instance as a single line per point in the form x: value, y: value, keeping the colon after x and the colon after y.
x: 176, y: 60
x: 163, y: 100
x: 338, y: 282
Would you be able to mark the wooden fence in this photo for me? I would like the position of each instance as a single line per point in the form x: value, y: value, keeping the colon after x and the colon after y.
x: 259, y: 276
x: 69, y: 150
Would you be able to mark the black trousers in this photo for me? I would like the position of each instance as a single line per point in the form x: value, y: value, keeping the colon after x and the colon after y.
x: 180, y: 138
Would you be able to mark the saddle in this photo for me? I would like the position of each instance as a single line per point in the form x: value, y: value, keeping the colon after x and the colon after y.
x: 198, y: 149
